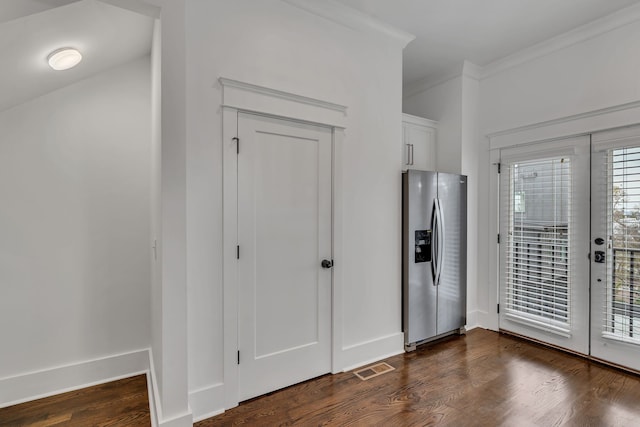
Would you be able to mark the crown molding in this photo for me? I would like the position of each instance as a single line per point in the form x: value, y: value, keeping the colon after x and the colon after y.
x: 601, y: 119
x: 466, y: 69
x: 469, y: 69
x: 352, y: 18
x: 585, y: 32
x: 427, y: 83
x: 582, y: 33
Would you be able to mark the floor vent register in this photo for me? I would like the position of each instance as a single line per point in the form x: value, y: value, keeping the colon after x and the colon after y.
x: 373, y: 371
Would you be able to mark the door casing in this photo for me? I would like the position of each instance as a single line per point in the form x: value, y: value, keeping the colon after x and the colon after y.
x: 619, y: 137
x: 577, y: 339
x: 508, y: 135
x: 238, y: 97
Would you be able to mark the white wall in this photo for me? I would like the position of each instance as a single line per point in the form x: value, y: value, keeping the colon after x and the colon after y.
x: 442, y: 103
x: 469, y: 151
x: 169, y: 292
x: 273, y: 44
x: 74, y: 222
x: 454, y: 105
x: 155, y: 236
x: 597, y: 73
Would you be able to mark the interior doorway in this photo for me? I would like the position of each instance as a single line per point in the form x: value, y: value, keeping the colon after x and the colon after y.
x: 284, y: 253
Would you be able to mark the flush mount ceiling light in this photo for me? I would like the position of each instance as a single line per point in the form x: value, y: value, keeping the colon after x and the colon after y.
x: 63, y: 59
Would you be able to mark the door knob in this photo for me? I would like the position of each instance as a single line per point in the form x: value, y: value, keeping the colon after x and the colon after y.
x: 326, y: 263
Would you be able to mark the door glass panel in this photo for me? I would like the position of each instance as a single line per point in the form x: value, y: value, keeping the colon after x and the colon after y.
x: 538, y: 265
x: 544, y: 242
x: 621, y: 313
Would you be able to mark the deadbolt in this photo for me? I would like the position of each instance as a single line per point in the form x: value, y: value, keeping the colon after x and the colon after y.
x: 326, y: 263
x: 599, y: 257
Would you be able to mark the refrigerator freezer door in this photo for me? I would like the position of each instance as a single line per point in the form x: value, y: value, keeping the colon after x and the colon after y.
x: 419, y: 294
x: 452, y: 287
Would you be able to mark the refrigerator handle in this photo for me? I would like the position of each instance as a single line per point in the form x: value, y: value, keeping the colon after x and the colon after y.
x: 437, y: 245
x: 441, y: 239
x: 434, y: 242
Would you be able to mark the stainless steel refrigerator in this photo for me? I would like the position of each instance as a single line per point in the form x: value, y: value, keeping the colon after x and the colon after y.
x: 434, y: 255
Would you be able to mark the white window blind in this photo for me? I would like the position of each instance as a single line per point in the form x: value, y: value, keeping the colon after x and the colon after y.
x: 538, y: 264
x: 621, y: 313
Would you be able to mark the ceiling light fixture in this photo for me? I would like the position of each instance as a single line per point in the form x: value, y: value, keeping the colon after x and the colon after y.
x: 64, y: 58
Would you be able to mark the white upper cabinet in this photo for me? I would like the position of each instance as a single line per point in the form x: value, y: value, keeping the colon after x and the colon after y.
x: 418, y: 143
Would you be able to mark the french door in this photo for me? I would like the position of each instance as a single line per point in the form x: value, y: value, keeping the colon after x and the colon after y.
x: 570, y: 256
x: 615, y: 247
x: 544, y: 233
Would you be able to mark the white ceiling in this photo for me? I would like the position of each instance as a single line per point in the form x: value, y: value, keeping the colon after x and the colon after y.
x: 447, y: 33
x: 480, y: 31
x: 106, y: 35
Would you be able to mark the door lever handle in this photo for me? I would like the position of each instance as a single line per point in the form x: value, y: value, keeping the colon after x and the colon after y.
x: 326, y: 263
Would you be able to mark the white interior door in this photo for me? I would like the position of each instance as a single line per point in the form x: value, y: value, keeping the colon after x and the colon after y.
x: 284, y: 232
x: 544, y: 242
x: 615, y: 248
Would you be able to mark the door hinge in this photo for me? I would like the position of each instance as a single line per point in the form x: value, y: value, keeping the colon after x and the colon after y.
x: 499, y: 167
x: 237, y: 140
x: 238, y: 252
x: 498, y: 308
x: 238, y: 357
x: 498, y: 238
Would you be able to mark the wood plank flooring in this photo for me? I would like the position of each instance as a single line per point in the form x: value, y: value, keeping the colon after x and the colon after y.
x: 482, y: 379
x: 118, y: 403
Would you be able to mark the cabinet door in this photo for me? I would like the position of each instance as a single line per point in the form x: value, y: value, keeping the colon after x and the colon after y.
x: 419, y: 147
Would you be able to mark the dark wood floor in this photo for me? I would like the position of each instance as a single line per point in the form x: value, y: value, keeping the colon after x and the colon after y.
x: 483, y: 379
x: 117, y: 403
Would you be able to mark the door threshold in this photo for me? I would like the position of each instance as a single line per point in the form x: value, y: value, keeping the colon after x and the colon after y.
x: 573, y: 352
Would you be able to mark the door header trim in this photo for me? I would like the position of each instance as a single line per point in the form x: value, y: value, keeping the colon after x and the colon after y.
x: 277, y: 103
x: 281, y: 94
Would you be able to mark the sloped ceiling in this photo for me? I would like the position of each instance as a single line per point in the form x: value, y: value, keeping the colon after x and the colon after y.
x: 447, y: 33
x: 106, y: 35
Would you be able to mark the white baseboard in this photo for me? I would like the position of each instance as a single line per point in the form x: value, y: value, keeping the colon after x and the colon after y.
x: 371, y: 351
x: 207, y: 402
x: 183, y: 420
x: 472, y: 320
x: 48, y: 382
x: 155, y: 403
x: 61, y: 379
x: 154, y: 396
x: 152, y: 403
x: 488, y: 320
